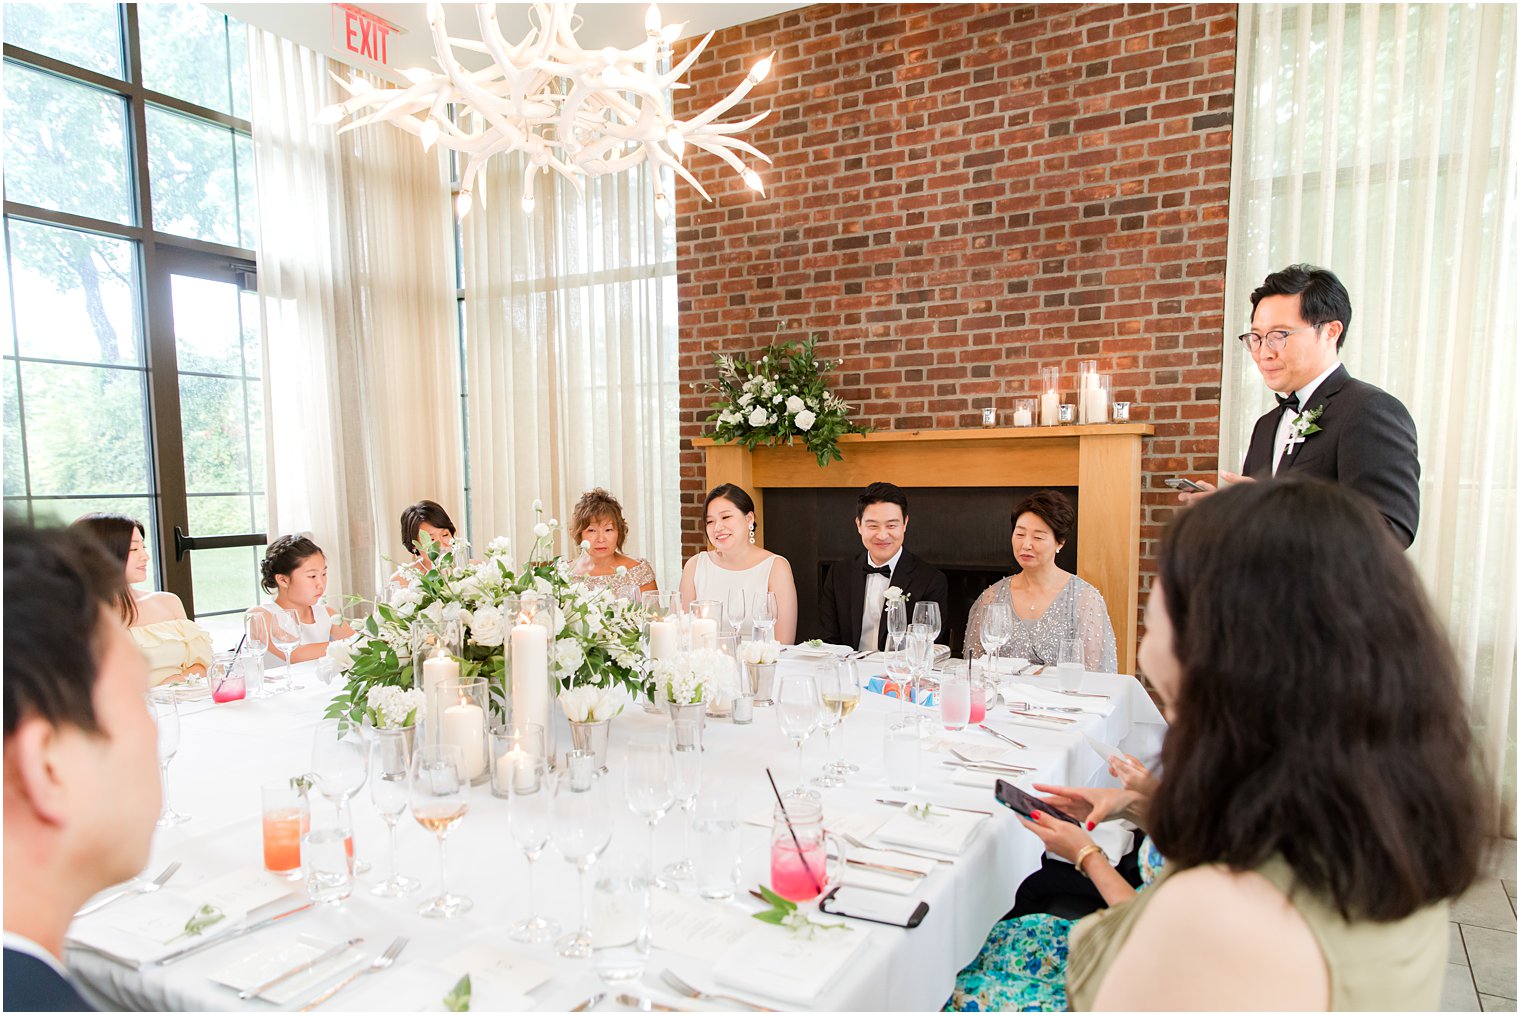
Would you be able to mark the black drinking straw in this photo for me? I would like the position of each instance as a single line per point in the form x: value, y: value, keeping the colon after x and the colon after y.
x: 240, y: 643
x: 795, y: 841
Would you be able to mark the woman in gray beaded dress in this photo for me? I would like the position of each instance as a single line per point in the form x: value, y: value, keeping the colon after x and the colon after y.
x: 1048, y: 604
x: 598, y: 524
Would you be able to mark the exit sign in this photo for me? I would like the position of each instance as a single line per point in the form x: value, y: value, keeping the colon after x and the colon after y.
x: 362, y: 33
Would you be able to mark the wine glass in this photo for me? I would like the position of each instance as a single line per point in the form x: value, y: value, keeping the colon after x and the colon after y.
x: 997, y: 631
x: 765, y: 608
x: 840, y: 687
x: 797, y: 709
x: 256, y: 633
x: 438, y: 804
x: 685, y: 784
x: 529, y: 819
x: 897, y: 667
x: 647, y: 780
x: 581, y: 830
x: 284, y: 635
x: 164, y: 704
x: 920, y: 657
x: 829, y: 716
x: 927, y: 613
x: 339, y: 765
x: 897, y: 617
x: 734, y: 610
x: 390, y: 790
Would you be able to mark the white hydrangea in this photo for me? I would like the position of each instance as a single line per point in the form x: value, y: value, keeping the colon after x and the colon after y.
x: 689, y: 677
x: 806, y: 419
x: 391, y: 707
x: 487, y: 626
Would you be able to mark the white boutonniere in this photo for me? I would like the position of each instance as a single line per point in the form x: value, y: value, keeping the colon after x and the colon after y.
x: 895, y: 594
x: 1303, y: 426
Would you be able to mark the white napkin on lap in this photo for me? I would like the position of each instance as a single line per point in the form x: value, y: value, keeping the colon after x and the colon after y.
x: 943, y: 831
x: 879, y: 881
x: 775, y: 962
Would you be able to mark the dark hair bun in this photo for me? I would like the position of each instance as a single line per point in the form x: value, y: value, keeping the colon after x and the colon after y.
x: 283, y: 557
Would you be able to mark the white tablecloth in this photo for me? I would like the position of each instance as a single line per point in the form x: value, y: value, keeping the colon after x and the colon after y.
x: 229, y: 751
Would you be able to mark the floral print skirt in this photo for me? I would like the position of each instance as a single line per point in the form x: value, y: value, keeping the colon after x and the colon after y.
x: 1021, y: 967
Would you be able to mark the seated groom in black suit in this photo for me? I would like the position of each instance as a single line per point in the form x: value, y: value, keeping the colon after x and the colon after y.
x: 81, y: 752
x: 853, y: 605
x: 1327, y: 423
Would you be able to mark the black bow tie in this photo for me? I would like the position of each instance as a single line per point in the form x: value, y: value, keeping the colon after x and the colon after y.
x: 884, y: 570
x: 1288, y: 402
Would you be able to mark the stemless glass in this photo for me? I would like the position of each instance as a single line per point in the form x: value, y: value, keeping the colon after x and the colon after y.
x: 685, y: 784
x: 955, y: 695
x: 438, y: 804
x: 164, y: 705
x: 1072, y: 664
x: 256, y: 633
x: 581, y: 830
x: 390, y: 790
x: 797, y: 709
x: 529, y: 819
x: 285, y: 636
x: 997, y: 631
x: 840, y: 687
x: 647, y: 780
x: 620, y: 925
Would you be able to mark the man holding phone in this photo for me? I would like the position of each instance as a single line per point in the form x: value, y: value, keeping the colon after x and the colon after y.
x: 1327, y: 423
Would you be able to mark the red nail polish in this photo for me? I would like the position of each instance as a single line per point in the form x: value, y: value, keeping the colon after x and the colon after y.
x: 1034, y: 815
x: 1091, y: 826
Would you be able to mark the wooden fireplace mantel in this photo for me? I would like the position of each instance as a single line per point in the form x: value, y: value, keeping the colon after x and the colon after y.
x: 1102, y: 462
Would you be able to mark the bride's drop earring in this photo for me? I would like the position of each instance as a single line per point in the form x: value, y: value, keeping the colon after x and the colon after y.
x: 751, y: 533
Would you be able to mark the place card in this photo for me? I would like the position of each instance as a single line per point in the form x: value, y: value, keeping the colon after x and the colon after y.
x: 688, y: 926
x: 261, y: 966
x: 778, y: 962
x: 508, y: 969
x: 936, y: 829
x: 138, y: 930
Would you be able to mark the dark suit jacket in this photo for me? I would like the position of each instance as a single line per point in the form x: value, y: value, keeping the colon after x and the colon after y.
x: 1366, y: 441
x: 842, y: 603
x: 33, y: 985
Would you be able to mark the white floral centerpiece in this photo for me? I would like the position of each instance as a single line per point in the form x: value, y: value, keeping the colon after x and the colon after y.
x: 393, y: 708
x: 759, y: 653
x: 687, y: 678
x: 779, y: 396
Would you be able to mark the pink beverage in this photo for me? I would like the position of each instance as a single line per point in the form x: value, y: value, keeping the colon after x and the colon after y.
x: 228, y: 689
x: 790, y: 877
x: 955, y: 703
x: 978, y: 703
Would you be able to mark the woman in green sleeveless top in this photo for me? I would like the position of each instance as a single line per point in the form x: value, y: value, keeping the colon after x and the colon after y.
x: 1318, y: 804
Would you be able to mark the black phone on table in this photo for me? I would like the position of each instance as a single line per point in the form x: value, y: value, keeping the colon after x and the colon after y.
x: 1019, y: 802
x: 873, y: 907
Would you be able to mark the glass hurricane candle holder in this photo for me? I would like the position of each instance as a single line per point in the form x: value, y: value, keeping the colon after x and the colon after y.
x: 436, y: 648
x: 1024, y: 410
x: 463, y: 707
x: 1050, y: 396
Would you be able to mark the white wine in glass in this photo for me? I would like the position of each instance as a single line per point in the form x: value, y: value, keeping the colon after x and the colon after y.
x: 439, y: 804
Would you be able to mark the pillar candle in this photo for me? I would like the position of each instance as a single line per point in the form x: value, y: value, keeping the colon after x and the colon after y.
x: 435, y: 670
x: 530, y: 675
x: 664, y: 638
x: 464, y: 727
x: 1022, y: 417
x: 1049, y: 402
x: 704, y: 633
x: 519, y: 770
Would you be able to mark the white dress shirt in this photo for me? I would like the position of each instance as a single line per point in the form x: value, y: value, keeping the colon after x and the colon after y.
x: 876, y: 595
x: 1289, y: 417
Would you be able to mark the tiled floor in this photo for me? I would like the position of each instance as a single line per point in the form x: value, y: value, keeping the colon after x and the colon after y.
x: 1481, y: 973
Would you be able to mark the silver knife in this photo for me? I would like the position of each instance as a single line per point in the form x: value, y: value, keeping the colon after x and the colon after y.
x: 1005, y: 738
x: 943, y: 807
x: 211, y: 942
x: 333, y: 952
x: 592, y: 1002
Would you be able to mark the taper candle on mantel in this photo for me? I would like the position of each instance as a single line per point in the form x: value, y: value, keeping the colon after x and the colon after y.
x: 1050, y: 398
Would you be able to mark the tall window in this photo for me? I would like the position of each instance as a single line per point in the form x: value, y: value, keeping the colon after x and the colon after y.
x: 132, y: 379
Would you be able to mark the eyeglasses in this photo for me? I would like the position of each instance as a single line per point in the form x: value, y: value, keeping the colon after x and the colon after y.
x: 1273, y: 340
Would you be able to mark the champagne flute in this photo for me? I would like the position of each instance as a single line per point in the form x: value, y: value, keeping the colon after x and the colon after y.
x: 840, y: 685
x: 438, y: 804
x: 734, y: 610
x: 284, y: 635
x: 390, y: 790
x: 897, y: 617
x: 997, y: 631
x: 256, y: 632
x: 529, y: 819
x: 797, y: 709
x: 581, y: 831
x: 898, y: 669
x: 920, y: 658
x: 830, y: 704
x: 685, y: 783
x: 647, y: 780
x: 164, y: 705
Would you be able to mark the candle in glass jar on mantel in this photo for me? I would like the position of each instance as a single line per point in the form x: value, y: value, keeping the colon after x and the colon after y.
x: 1050, y: 399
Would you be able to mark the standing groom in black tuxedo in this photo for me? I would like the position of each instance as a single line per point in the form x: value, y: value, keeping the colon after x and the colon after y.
x: 853, y: 607
x: 1327, y: 423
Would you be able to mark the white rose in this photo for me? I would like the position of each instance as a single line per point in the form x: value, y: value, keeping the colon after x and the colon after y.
x: 487, y: 627
x: 757, y: 417
x: 453, y: 612
x: 775, y: 398
x: 794, y: 404
x: 805, y: 419
x: 568, y: 655
x: 745, y: 399
x: 341, y: 653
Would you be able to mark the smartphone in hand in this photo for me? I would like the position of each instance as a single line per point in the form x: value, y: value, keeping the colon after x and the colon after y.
x: 1019, y: 802
x: 1182, y: 485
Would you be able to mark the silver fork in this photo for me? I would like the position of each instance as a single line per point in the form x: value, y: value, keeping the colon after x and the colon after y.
x: 383, y: 962
x: 680, y: 986
x: 139, y: 888
x: 1026, y: 706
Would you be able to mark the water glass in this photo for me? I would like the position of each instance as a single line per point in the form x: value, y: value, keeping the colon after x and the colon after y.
x: 256, y: 635
x: 902, y: 753
x: 1072, y: 664
x: 164, y: 705
x: 955, y: 695
x: 716, y: 822
x: 619, y: 925
x: 798, y: 707
x: 530, y: 821
x: 327, y: 857
x: 286, y: 818
x: 647, y: 775
x: 389, y: 790
x: 581, y: 829
x: 685, y: 784
x: 927, y: 613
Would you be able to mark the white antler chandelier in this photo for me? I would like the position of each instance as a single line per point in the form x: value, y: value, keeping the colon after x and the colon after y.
x: 576, y: 112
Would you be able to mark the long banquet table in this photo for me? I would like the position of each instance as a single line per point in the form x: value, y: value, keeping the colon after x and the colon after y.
x: 227, y: 752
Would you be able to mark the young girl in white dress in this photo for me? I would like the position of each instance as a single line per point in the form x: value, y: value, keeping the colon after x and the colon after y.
x: 295, y: 571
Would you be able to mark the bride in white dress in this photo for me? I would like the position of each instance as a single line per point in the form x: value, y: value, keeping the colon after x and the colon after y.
x: 735, y: 562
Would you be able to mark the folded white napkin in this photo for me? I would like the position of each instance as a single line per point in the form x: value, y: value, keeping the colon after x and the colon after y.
x: 976, y: 780
x: 941, y: 831
x: 815, y: 651
x: 879, y: 881
x: 261, y: 966
x: 778, y: 963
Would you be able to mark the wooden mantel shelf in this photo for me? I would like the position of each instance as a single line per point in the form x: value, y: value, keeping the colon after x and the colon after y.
x: 1101, y: 461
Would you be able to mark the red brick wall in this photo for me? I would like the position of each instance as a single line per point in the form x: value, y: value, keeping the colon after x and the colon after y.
x: 963, y: 194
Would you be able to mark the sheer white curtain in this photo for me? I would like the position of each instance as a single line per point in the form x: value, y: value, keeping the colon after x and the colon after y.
x: 570, y: 339
x: 1376, y: 140
x: 355, y: 265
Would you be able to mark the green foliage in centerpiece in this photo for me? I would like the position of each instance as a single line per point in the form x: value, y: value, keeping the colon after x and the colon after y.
x: 780, y: 396
x: 596, y: 636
